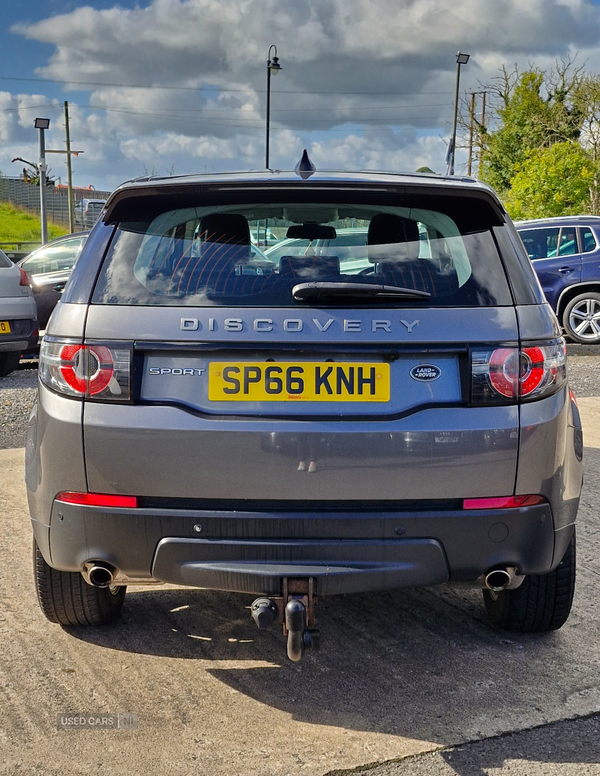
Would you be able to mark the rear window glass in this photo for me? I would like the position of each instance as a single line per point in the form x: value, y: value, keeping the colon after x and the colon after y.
x: 254, y: 254
x: 4, y: 260
x: 587, y: 237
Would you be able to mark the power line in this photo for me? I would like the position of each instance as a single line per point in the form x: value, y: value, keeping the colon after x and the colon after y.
x: 26, y: 107
x: 168, y: 112
x: 237, y: 111
x: 255, y: 122
x: 206, y: 88
x: 238, y: 123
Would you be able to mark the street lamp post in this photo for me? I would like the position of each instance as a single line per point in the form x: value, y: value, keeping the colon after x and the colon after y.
x: 273, y: 67
x: 42, y: 125
x: 461, y: 59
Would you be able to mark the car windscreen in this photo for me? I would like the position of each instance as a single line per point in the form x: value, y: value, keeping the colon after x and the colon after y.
x: 201, y: 255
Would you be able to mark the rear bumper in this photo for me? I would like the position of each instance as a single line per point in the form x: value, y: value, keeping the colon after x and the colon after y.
x: 23, y: 335
x: 345, y: 551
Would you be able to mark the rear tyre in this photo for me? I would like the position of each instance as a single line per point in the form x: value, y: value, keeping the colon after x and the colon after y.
x: 66, y: 598
x: 9, y: 362
x: 581, y: 318
x: 541, y: 603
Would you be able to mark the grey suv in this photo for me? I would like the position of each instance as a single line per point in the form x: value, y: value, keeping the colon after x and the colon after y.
x: 319, y: 427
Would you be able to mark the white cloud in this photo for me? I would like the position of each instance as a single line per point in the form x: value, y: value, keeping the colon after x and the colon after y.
x: 373, y: 79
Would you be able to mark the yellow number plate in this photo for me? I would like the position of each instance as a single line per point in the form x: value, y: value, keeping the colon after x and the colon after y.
x: 4, y: 327
x: 298, y: 381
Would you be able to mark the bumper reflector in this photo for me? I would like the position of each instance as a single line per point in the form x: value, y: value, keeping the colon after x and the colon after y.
x: 97, y: 499
x: 503, y: 502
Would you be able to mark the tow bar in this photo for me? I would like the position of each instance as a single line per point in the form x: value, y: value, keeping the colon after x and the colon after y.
x: 295, y: 610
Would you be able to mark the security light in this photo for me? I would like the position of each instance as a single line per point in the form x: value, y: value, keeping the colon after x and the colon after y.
x: 41, y: 123
x: 462, y: 59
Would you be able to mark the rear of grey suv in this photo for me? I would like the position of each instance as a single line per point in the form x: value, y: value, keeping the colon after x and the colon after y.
x: 317, y: 429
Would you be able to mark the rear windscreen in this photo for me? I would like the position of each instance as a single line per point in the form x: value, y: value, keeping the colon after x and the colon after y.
x: 255, y: 254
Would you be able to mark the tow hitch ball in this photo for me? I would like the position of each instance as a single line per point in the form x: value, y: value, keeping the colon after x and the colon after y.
x: 295, y: 611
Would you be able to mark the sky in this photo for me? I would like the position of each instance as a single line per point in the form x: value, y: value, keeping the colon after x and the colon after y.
x: 179, y: 86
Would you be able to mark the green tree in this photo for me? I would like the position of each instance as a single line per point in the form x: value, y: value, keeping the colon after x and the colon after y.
x: 552, y: 181
x: 529, y: 110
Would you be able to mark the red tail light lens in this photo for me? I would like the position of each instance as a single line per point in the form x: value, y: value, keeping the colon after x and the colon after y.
x: 92, y: 371
x: 24, y: 279
x: 87, y: 369
x: 98, y: 499
x: 503, y: 502
x: 533, y: 368
x: 73, y: 367
x: 504, y: 371
x: 510, y: 373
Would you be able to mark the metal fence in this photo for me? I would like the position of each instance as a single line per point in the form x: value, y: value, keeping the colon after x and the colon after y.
x: 27, y: 195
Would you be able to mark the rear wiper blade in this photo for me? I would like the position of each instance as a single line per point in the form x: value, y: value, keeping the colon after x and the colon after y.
x: 315, y: 290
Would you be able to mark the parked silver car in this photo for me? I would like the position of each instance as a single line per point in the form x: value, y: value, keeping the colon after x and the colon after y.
x: 299, y: 432
x: 18, y: 315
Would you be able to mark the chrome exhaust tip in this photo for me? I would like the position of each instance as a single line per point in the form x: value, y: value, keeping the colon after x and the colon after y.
x: 503, y: 578
x: 99, y: 574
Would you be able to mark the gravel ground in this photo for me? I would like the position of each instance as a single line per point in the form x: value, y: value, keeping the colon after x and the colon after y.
x: 17, y: 391
x: 17, y: 394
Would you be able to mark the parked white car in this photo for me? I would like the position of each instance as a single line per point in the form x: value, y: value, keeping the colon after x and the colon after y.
x: 18, y: 315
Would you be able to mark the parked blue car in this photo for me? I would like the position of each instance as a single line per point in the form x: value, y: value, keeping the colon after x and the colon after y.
x: 565, y: 253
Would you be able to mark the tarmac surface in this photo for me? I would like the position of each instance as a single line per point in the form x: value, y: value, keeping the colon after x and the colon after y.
x: 409, y: 682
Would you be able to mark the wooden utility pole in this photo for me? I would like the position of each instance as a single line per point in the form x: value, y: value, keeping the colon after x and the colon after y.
x: 69, y: 173
x: 471, y: 123
x: 481, y: 131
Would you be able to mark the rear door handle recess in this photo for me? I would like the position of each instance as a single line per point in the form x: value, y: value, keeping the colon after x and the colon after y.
x: 565, y: 270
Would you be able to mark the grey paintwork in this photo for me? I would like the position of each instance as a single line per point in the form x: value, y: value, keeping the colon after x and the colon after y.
x: 537, y: 322
x: 166, y: 451
x: 407, y: 325
x: 68, y: 320
x: 54, y: 452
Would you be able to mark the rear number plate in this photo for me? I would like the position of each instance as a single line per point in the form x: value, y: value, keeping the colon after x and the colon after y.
x: 4, y: 327
x: 300, y: 381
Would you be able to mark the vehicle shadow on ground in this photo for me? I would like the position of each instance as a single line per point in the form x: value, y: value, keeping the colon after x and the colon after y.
x: 378, y: 653
x: 573, y: 742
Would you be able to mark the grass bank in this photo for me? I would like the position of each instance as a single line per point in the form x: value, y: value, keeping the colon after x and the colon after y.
x: 19, y: 225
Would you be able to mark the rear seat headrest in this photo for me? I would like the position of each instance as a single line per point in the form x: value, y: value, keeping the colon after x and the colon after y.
x: 229, y: 228
x: 386, y: 229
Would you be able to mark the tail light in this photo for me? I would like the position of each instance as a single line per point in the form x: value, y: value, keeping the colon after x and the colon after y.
x: 91, y: 371
x: 24, y: 279
x: 508, y: 374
